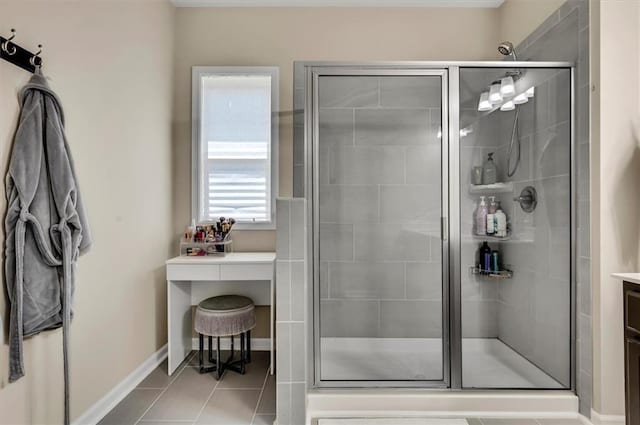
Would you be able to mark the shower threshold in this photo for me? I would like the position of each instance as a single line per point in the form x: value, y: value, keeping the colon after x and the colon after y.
x: 488, y: 363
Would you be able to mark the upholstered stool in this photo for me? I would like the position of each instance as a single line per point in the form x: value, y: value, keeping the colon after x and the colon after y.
x: 222, y: 316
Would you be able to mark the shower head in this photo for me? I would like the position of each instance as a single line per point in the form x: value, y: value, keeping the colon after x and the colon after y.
x: 506, y: 48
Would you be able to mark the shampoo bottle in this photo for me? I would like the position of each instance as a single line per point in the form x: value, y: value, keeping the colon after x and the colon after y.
x: 501, y: 223
x: 481, y: 218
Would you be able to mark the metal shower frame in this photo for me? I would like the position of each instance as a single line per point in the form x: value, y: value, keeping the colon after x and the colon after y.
x: 306, y: 73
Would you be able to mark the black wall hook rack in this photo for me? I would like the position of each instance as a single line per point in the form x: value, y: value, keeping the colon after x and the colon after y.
x: 17, y: 55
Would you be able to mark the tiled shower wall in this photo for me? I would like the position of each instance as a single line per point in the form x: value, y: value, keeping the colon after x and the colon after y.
x: 564, y: 36
x: 291, y: 314
x: 380, y: 207
x: 533, y: 307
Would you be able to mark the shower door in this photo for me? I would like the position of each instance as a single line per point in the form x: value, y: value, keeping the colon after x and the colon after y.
x: 380, y: 207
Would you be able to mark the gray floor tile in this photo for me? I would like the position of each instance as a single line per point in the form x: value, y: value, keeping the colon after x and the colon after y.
x: 508, y: 421
x: 254, y: 375
x: 129, y: 410
x: 268, y: 400
x: 230, y: 407
x: 264, y: 419
x: 184, y: 398
x: 158, y: 378
x: 551, y: 421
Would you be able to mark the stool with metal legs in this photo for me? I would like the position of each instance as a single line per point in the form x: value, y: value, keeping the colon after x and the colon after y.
x: 225, y: 316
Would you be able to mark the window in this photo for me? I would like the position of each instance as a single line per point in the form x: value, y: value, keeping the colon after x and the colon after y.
x: 235, y: 145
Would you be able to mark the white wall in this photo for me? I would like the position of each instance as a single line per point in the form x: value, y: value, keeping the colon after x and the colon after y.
x: 110, y: 62
x: 615, y: 180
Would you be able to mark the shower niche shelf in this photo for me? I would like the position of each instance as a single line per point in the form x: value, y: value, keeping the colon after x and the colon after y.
x: 501, y: 274
x: 491, y: 188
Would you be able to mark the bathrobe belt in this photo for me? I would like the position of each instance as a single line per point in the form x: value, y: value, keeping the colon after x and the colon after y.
x: 69, y: 251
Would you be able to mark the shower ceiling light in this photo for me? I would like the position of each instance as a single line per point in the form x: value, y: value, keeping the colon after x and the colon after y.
x: 507, y: 88
x: 494, y: 94
x: 520, y: 99
x: 508, y: 106
x: 530, y: 91
x: 484, y: 105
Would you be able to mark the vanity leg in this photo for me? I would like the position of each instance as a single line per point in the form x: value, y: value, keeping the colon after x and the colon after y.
x: 248, y: 346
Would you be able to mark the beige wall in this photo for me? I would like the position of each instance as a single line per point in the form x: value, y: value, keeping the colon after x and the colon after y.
x: 110, y: 63
x: 280, y: 36
x: 615, y: 182
x: 518, y: 18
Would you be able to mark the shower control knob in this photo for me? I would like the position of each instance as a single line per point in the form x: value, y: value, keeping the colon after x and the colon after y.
x: 528, y: 199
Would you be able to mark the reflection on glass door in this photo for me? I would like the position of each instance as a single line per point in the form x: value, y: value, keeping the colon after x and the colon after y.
x: 379, y: 200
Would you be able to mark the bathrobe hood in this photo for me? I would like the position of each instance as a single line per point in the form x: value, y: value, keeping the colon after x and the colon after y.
x: 45, y: 224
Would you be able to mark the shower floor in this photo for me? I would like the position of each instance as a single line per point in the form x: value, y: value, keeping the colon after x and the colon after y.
x: 487, y: 362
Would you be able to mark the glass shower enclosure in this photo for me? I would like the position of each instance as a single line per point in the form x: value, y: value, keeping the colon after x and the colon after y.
x: 429, y: 269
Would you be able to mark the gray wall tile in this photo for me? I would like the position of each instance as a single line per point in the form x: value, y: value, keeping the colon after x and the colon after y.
x: 283, y: 404
x: 283, y: 290
x: 335, y: 127
x: 392, y: 127
x: 282, y: 232
x: 411, y: 92
x: 423, y: 164
x: 349, y: 204
x: 298, y: 284
x: 348, y: 91
x: 298, y: 229
x: 367, y: 280
x: 298, y: 353
x: 349, y: 318
x: 408, y: 242
x: 410, y: 204
x: 283, y: 350
x: 479, y: 319
x: 411, y: 319
x: 424, y: 281
x: 336, y: 242
x: 366, y: 165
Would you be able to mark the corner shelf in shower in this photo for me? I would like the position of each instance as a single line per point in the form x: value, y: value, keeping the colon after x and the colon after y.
x: 501, y: 274
x: 491, y: 188
x: 489, y: 238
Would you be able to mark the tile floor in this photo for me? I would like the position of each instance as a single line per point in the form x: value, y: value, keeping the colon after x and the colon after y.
x: 187, y: 397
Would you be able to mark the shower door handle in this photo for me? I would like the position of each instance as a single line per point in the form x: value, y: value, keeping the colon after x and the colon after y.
x: 444, y: 228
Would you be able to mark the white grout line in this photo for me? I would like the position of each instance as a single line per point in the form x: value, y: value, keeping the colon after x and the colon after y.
x: 186, y: 363
x: 264, y: 384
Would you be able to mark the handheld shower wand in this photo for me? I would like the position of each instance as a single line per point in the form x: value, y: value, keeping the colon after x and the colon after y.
x: 506, y: 48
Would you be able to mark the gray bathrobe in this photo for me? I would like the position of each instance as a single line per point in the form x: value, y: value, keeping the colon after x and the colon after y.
x: 45, y: 225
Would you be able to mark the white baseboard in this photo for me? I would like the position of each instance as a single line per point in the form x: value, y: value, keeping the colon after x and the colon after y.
x: 598, y: 419
x: 95, y: 413
x: 257, y: 344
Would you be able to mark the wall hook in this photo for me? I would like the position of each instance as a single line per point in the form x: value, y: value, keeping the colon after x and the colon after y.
x: 8, y: 47
x: 36, y: 60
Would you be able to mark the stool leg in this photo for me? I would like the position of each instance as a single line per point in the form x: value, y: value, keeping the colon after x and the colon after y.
x: 218, y: 364
x: 242, y: 353
x: 200, y: 351
x: 231, y: 355
x: 211, y: 349
x: 248, y: 346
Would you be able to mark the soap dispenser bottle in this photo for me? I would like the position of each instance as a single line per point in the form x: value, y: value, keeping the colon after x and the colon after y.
x: 481, y: 218
x: 501, y: 222
x: 489, y: 172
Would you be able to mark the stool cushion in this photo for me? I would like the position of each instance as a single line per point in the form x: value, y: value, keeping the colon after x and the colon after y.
x: 225, y: 316
x: 226, y: 302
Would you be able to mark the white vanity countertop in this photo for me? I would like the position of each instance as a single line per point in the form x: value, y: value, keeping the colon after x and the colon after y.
x: 628, y: 277
x: 230, y: 258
